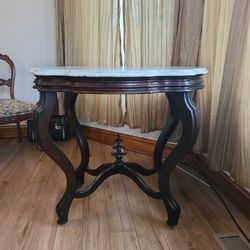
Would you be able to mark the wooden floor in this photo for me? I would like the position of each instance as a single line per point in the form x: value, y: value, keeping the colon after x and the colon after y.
x: 117, y: 216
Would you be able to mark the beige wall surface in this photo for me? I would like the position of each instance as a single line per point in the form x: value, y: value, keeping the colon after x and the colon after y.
x: 27, y: 35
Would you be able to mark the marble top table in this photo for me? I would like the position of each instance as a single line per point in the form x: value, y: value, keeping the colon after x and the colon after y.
x: 134, y: 80
x: 176, y: 82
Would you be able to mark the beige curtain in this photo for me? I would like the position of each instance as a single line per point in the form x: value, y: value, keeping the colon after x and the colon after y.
x: 159, y: 33
x: 186, y: 45
x: 149, y: 30
x: 88, y: 35
x: 214, y: 40
x: 224, y: 105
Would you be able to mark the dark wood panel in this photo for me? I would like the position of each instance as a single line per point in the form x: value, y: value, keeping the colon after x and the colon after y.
x: 132, y: 143
x: 109, y: 85
x: 9, y: 131
x: 235, y: 193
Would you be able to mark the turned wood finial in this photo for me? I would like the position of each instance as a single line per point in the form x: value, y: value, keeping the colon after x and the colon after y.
x: 119, y: 150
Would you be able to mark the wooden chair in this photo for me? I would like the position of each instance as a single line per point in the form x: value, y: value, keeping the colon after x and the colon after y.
x: 11, y: 109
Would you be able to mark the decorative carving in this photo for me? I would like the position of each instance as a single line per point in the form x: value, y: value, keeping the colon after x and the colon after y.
x: 4, y: 82
x: 119, y: 151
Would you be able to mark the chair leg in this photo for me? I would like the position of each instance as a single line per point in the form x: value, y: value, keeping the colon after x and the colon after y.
x: 19, y: 132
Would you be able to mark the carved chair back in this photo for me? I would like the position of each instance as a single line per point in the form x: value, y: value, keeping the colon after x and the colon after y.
x: 11, y: 109
x: 9, y: 82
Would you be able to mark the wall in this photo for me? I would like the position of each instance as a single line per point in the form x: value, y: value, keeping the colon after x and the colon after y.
x: 27, y: 30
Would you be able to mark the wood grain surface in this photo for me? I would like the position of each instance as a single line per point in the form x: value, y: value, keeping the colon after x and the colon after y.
x: 117, y: 216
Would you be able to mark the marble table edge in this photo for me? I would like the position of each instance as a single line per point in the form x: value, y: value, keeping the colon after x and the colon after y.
x: 118, y: 72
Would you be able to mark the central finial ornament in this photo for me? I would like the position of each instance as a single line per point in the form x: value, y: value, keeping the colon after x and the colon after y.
x: 119, y: 151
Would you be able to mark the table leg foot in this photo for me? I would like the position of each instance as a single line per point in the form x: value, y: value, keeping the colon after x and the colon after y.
x: 62, y: 218
x: 173, y: 210
x: 63, y: 206
x: 62, y: 221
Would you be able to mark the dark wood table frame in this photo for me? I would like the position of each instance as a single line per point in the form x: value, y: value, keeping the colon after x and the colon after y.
x: 177, y: 90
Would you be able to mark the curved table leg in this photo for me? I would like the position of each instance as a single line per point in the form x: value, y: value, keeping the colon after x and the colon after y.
x: 69, y: 107
x: 166, y: 133
x: 34, y: 120
x: 186, y: 111
x: 41, y: 120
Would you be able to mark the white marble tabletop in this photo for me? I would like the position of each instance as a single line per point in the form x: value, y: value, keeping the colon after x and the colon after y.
x: 118, y: 72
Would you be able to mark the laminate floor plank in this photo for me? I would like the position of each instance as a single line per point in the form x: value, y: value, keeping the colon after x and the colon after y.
x: 20, y: 222
x: 14, y: 178
x: 120, y: 219
x: 124, y: 241
x: 8, y: 149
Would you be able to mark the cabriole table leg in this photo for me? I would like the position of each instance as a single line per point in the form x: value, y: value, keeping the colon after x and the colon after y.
x: 165, y: 134
x: 41, y: 120
x: 69, y: 107
x: 187, y: 113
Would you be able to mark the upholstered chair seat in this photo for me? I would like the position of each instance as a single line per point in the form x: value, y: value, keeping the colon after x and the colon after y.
x: 11, y: 108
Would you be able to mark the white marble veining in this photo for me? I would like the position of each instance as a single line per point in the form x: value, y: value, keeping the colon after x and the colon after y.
x: 118, y: 72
